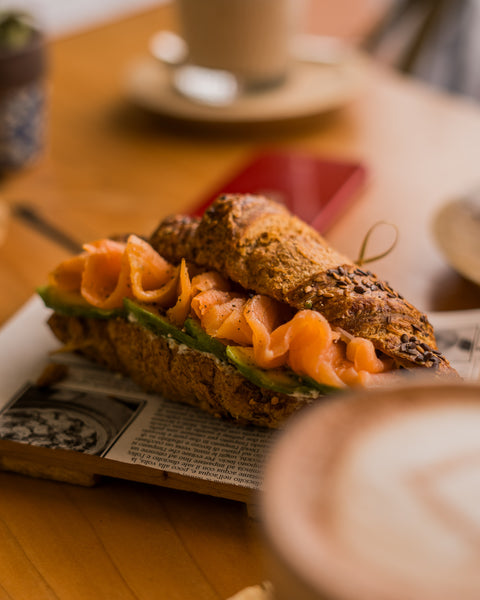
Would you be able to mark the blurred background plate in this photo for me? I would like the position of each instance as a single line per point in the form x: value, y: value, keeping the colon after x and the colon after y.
x: 456, y: 229
x: 311, y: 89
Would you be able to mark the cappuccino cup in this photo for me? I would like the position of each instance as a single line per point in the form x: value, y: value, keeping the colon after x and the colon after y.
x: 248, y: 38
x: 374, y: 496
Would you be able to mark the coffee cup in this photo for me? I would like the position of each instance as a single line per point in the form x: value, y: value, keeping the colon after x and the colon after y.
x: 248, y: 38
x: 375, y: 496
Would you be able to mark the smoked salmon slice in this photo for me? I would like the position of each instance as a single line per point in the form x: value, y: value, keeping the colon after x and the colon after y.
x: 210, y: 280
x: 107, y: 271
x: 221, y: 315
x: 362, y: 354
x: 68, y: 275
x: 179, y: 312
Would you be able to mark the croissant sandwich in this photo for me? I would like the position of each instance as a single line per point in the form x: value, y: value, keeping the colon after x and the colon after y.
x: 246, y: 313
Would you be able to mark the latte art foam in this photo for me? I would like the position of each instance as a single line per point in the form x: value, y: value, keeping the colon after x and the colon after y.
x: 378, y: 497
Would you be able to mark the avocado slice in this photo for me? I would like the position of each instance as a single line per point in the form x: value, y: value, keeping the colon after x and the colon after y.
x: 320, y: 387
x: 279, y: 380
x: 72, y: 304
x: 207, y: 342
x: 158, y: 324
x: 193, y: 336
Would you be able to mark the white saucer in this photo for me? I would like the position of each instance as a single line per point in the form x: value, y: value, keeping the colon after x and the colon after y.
x: 310, y: 89
x: 456, y: 229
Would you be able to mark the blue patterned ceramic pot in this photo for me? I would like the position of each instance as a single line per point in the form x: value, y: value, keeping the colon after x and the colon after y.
x: 22, y: 102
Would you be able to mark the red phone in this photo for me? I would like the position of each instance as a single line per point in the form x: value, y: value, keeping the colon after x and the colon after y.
x: 316, y: 189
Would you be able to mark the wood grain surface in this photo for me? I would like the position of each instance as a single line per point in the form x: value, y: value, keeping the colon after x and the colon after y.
x: 108, y: 167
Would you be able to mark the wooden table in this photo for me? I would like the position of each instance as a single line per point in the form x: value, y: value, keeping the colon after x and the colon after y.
x: 110, y: 168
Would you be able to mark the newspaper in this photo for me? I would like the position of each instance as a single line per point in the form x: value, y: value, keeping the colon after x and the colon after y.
x: 96, y: 412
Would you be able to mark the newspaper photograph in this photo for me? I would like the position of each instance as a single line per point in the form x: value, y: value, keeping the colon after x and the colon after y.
x: 93, y: 411
x: 458, y: 337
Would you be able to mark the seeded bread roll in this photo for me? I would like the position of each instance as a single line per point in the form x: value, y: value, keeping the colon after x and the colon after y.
x: 263, y: 249
x: 258, y: 244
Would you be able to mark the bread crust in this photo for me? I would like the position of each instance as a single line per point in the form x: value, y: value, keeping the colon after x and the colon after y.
x: 161, y: 365
x: 258, y: 244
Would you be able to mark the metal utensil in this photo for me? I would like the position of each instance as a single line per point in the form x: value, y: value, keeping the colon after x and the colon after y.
x: 214, y: 87
x: 29, y: 215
